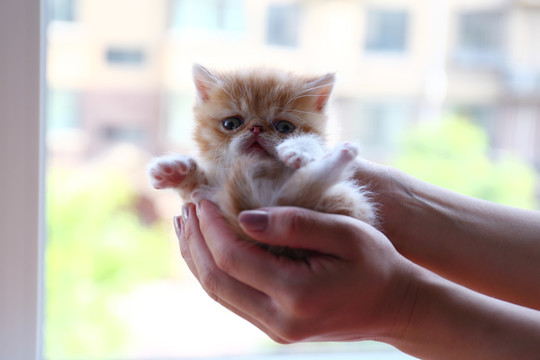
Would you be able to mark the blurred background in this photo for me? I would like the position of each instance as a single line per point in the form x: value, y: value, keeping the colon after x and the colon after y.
x: 448, y: 91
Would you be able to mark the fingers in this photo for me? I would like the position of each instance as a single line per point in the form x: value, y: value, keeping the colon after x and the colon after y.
x: 301, y: 229
x: 245, y: 261
x: 249, y: 303
x: 210, y: 276
x: 325, y: 239
x: 184, y: 249
x: 281, y: 296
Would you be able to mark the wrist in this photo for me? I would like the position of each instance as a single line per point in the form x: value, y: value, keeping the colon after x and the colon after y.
x: 400, y: 204
x: 433, y: 317
x: 443, y: 320
x: 400, y: 301
x: 389, y: 189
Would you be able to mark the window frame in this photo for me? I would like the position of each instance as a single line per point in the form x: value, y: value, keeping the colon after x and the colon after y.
x: 22, y: 182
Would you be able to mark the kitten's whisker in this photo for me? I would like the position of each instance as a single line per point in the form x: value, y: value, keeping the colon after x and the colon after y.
x: 218, y: 101
x: 301, y: 112
x: 300, y: 96
x: 217, y: 84
x: 305, y: 96
x: 317, y: 87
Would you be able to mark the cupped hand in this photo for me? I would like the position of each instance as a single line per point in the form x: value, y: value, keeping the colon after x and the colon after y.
x: 351, y: 285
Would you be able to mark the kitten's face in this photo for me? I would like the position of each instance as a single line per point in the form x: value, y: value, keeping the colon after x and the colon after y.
x: 253, y: 111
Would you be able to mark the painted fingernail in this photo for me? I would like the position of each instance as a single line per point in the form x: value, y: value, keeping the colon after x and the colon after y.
x: 185, y: 212
x: 202, y: 203
x: 177, y: 221
x: 254, y: 220
x: 198, y: 209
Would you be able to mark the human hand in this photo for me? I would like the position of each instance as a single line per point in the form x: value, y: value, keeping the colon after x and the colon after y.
x: 352, y: 285
x: 491, y: 248
x: 391, y: 190
x: 413, y: 214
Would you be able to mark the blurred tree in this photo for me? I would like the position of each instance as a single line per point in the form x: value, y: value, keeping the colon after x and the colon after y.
x: 453, y: 153
x: 97, y: 251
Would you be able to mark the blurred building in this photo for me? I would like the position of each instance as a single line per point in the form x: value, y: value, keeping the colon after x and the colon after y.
x: 121, y: 70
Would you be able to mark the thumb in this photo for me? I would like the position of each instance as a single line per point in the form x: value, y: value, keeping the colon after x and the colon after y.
x: 300, y: 228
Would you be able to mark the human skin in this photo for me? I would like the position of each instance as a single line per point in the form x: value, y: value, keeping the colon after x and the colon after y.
x: 354, y: 285
x: 491, y: 248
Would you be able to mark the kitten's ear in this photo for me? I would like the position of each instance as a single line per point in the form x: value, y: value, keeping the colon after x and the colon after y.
x: 204, y: 82
x: 320, y: 89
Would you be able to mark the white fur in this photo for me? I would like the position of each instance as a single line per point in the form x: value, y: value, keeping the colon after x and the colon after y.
x: 297, y: 152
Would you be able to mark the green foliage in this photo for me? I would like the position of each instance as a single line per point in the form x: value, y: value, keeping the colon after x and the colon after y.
x: 97, y: 251
x: 453, y: 154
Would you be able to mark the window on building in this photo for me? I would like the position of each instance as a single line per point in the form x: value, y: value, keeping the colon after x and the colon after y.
x: 480, y: 37
x: 216, y: 15
x: 115, y: 134
x: 386, y: 30
x: 62, y: 10
x: 63, y: 109
x: 123, y: 56
x: 379, y: 127
x: 283, y: 24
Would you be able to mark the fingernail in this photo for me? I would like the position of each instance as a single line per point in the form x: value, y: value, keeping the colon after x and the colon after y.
x: 177, y: 221
x: 254, y: 220
x: 199, y: 205
x: 198, y: 209
x: 185, y: 212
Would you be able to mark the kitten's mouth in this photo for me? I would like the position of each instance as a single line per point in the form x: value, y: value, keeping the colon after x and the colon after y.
x: 257, y: 148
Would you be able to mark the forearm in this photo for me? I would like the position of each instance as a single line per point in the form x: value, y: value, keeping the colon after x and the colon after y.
x: 448, y: 321
x: 488, y: 247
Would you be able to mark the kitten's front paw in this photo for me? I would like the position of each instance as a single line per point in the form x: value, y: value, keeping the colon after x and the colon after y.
x: 345, y: 152
x: 340, y: 157
x: 170, y: 171
x: 295, y: 159
x: 298, y: 152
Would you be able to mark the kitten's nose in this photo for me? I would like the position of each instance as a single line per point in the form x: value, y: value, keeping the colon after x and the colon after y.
x: 256, y: 129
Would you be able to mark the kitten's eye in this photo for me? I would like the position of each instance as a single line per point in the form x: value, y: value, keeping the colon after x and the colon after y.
x: 284, y: 126
x: 232, y: 123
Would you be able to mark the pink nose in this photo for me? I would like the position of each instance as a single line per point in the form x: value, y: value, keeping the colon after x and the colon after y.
x: 256, y: 129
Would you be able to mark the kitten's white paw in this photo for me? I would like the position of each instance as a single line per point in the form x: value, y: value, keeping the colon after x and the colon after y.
x: 300, y: 151
x: 346, y: 151
x: 169, y: 171
x: 340, y: 157
x: 295, y: 159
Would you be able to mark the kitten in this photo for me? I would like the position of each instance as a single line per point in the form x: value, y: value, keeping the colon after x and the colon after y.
x: 260, y: 136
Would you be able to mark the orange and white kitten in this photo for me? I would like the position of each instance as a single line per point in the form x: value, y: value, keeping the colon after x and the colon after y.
x: 260, y: 136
